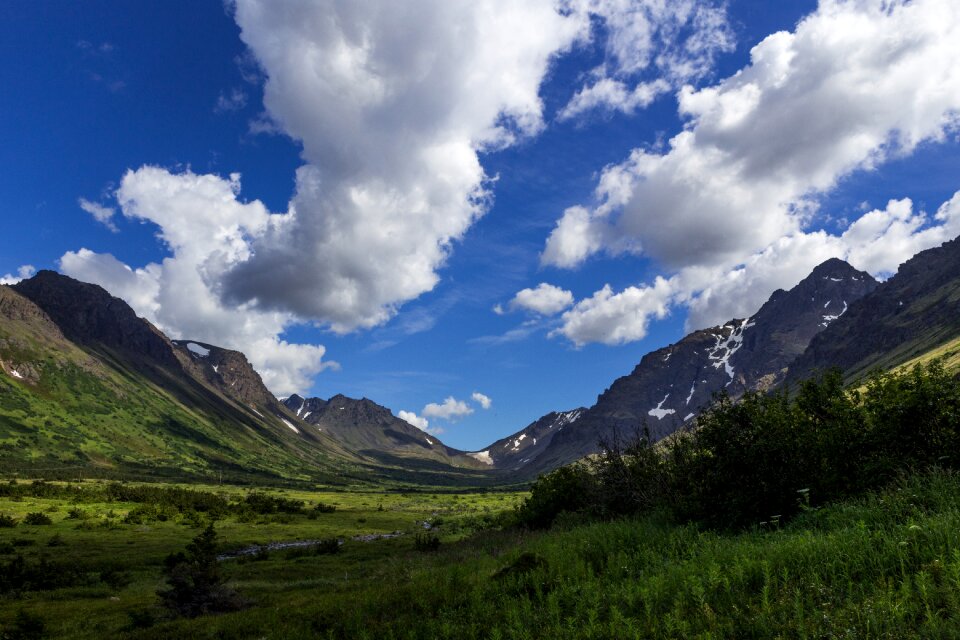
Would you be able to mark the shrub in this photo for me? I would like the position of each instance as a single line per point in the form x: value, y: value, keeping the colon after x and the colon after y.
x: 6, y: 521
x: 426, y: 542
x: 568, y: 488
x: 26, y: 626
x: 329, y: 546
x: 37, y: 518
x: 196, y: 586
x: 324, y: 508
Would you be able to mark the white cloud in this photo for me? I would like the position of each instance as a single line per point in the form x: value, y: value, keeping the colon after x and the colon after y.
x: 878, y: 242
x: 813, y: 106
x: 207, y: 230
x: 729, y: 208
x: 651, y: 47
x: 100, y: 213
x: 24, y: 272
x: 545, y: 299
x: 411, y: 418
x: 481, y: 399
x: 234, y: 101
x: 392, y: 103
x: 449, y: 409
x: 615, y: 318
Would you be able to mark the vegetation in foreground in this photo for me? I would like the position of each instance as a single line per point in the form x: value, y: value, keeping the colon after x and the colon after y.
x: 827, y: 513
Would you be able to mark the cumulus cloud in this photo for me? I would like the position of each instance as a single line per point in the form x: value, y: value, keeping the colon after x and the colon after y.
x: 615, y: 318
x: 813, y: 106
x: 391, y: 127
x: 449, y: 409
x: 729, y: 207
x: 207, y: 229
x: 412, y: 418
x: 24, y: 272
x: 878, y: 242
x: 484, y: 401
x: 652, y: 47
x: 545, y: 299
x: 100, y: 213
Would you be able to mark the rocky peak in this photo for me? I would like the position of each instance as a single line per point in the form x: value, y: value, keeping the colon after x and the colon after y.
x: 228, y: 370
x: 89, y: 315
x: 671, y: 385
x: 304, y: 408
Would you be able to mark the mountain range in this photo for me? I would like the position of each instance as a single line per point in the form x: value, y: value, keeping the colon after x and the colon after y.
x: 87, y: 385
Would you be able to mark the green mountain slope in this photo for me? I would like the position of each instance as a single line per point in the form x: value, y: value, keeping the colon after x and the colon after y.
x: 87, y: 387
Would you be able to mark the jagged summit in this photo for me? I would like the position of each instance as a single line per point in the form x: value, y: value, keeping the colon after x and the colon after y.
x: 671, y: 385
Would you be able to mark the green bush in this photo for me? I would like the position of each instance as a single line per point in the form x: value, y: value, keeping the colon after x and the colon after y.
x: 37, y: 518
x: 196, y: 586
x: 767, y: 456
x: 7, y: 522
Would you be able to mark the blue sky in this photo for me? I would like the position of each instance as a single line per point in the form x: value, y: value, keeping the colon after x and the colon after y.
x: 383, y: 125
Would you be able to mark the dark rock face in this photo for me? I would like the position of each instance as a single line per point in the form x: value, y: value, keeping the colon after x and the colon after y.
x: 672, y: 385
x: 522, y: 447
x: 227, y: 370
x: 913, y: 311
x: 88, y: 315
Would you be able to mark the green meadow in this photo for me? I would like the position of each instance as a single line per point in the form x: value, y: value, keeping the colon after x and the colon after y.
x: 883, y: 565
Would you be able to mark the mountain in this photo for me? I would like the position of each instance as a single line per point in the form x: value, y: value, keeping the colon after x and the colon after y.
x: 89, y: 387
x: 671, y: 385
x: 372, y: 430
x: 515, y: 451
x: 912, y: 313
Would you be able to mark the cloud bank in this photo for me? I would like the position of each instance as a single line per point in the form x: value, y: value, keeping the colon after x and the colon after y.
x: 731, y: 200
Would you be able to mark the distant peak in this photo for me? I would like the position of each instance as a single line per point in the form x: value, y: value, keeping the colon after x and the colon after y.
x: 837, y: 268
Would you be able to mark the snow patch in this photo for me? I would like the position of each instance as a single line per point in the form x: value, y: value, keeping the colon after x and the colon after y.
x: 255, y: 411
x: 688, y: 416
x: 306, y: 415
x: 429, y: 440
x: 660, y: 413
x: 827, y: 303
x: 692, y: 387
x: 216, y: 368
x: 829, y: 318
x: 16, y: 374
x: 196, y: 349
x: 726, y: 347
x: 289, y: 424
x: 482, y: 456
x: 668, y: 356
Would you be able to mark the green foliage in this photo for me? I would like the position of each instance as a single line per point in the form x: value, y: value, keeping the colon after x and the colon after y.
x: 426, y: 542
x: 196, y: 586
x: 768, y: 456
x: 37, y: 518
x: 26, y: 626
x: 568, y: 489
x: 7, y: 522
x: 325, y: 508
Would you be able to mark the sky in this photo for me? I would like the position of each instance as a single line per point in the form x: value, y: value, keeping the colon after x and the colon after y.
x: 472, y: 212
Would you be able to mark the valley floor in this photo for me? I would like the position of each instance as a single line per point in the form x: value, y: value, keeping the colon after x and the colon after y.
x: 885, y: 566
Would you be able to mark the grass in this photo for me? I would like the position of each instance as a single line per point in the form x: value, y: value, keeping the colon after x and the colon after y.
x: 886, y: 565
